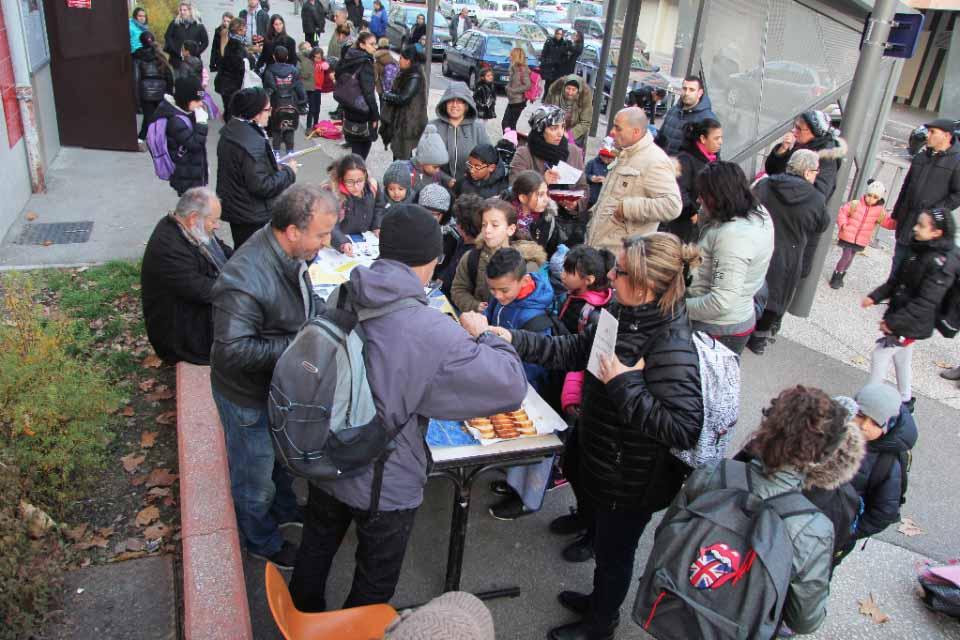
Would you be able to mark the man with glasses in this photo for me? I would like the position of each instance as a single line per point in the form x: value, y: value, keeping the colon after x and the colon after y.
x: 640, y: 190
x: 693, y: 105
x: 486, y: 174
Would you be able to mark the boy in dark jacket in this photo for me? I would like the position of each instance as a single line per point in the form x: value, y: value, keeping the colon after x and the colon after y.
x: 485, y: 95
x: 486, y: 175
x: 596, y: 171
x: 287, y: 97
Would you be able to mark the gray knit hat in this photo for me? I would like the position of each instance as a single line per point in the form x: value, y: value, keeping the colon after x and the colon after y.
x: 456, y: 615
x: 879, y: 402
x: 399, y: 172
x: 434, y: 197
x: 431, y: 149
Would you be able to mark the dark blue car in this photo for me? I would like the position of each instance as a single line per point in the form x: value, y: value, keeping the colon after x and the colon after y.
x: 476, y: 50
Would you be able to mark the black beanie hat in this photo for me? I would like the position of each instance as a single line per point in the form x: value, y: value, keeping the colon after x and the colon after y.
x: 409, y: 234
x: 247, y: 103
x: 485, y: 153
x: 410, y: 53
x: 186, y: 90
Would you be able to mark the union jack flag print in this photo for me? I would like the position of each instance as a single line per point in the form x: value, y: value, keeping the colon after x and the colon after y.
x: 715, y: 565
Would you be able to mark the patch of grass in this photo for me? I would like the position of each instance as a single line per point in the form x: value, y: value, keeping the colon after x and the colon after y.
x: 93, y: 293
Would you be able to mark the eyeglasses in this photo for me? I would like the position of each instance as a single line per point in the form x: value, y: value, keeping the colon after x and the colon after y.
x: 476, y: 167
x: 355, y: 183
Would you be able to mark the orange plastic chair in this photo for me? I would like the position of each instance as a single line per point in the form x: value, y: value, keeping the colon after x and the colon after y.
x: 359, y: 623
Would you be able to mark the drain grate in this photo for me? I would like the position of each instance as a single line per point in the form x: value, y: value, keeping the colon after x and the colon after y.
x: 56, y: 232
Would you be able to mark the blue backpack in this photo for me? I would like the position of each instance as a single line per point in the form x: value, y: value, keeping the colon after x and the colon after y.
x: 163, y: 164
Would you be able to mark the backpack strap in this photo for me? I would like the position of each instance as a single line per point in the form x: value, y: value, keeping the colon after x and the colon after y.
x: 790, y: 504
x: 734, y: 475
x: 538, y: 323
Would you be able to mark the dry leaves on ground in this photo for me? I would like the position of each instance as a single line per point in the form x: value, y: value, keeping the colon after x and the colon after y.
x: 147, y: 384
x: 96, y: 539
x: 160, y: 393
x: 160, y: 478
x: 76, y: 534
x: 139, y: 480
x: 943, y: 365
x: 152, y: 361
x: 148, y: 439
x: 38, y: 522
x: 128, y: 412
x: 869, y: 608
x: 31, y: 216
x: 909, y: 527
x: 167, y: 417
x: 132, y: 462
x: 130, y: 544
x: 147, y: 516
x: 159, y: 530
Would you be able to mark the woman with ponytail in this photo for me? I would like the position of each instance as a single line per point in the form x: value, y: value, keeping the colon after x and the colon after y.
x: 701, y: 147
x: 646, y: 400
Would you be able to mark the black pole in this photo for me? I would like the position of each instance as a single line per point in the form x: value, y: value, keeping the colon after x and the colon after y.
x: 428, y: 49
x: 600, y: 80
x: 622, y: 76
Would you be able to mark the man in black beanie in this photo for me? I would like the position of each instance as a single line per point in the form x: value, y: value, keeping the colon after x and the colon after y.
x: 248, y: 175
x: 420, y: 365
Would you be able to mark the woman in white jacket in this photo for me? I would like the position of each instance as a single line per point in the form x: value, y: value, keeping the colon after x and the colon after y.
x: 736, y: 242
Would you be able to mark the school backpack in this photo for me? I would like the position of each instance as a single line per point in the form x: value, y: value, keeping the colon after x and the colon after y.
x: 948, y: 313
x: 720, y: 386
x: 721, y: 564
x: 389, y: 75
x: 285, y: 114
x: 533, y: 93
x: 163, y: 164
x: 323, y: 421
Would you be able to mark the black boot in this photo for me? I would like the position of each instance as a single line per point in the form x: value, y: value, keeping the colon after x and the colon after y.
x: 909, y: 404
x: 574, y: 523
x: 951, y: 374
x: 582, y: 631
x: 836, y: 281
x: 580, y: 550
x: 757, y: 345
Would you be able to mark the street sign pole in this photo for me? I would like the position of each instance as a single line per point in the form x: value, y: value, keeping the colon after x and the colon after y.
x: 600, y: 79
x: 622, y: 77
x: 428, y: 49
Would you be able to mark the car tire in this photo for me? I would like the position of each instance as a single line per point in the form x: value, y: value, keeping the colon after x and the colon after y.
x: 445, y: 69
x: 472, y: 80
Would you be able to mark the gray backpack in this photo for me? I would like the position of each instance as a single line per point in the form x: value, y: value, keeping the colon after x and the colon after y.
x: 721, y: 565
x: 323, y: 421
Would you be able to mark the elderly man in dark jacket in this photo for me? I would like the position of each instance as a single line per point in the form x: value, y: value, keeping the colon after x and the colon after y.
x: 420, y: 365
x: 692, y: 106
x: 182, y: 260
x: 248, y: 176
x: 799, y: 217
x: 261, y: 300
x: 933, y: 182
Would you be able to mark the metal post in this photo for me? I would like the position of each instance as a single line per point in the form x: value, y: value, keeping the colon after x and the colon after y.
x: 866, y: 168
x: 622, y: 77
x: 431, y: 12
x: 600, y: 79
x: 862, y: 92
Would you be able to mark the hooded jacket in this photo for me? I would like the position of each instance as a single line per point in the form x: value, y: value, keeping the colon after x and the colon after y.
x: 186, y: 144
x: 580, y: 311
x: 469, y: 291
x: 856, y: 221
x: 460, y: 140
x: 916, y: 289
x: 799, y: 216
x: 359, y: 63
x: 881, y: 495
x: 421, y: 365
x: 633, y: 420
x: 294, y: 92
x: 933, y: 182
x: 260, y: 301
x: 135, y: 30
x: 579, y: 111
x: 811, y: 534
x: 831, y: 149
x: 671, y: 135
x: 643, y: 180
x: 735, y: 258
x: 492, y: 185
x: 248, y: 176
x: 521, y: 311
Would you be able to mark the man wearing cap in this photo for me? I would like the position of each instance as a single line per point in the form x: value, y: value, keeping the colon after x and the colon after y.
x: 933, y: 182
x: 486, y: 175
x: 419, y: 365
x: 811, y: 130
x: 186, y: 134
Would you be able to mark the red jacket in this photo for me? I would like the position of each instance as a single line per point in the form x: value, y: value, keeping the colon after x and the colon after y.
x: 321, y: 69
x: 856, y: 221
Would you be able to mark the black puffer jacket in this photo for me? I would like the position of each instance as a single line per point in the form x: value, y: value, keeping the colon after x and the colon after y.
x: 248, y: 177
x: 799, y: 217
x: 179, y: 32
x: 229, y: 78
x: 266, y: 55
x: 152, y: 78
x: 916, y: 289
x: 553, y: 57
x: 933, y: 182
x: 629, y: 424
x: 692, y: 161
x: 187, y: 145
x: 359, y: 63
x: 832, y: 150
x: 176, y: 285
x: 569, y: 64
x: 260, y: 301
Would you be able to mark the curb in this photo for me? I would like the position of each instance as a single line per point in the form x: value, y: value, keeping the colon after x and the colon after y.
x: 214, y: 591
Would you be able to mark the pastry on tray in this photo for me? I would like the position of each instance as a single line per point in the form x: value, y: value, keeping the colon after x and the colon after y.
x: 505, y: 426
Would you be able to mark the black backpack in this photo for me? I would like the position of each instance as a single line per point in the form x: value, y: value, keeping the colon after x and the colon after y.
x: 884, y: 465
x: 948, y: 314
x: 285, y: 114
x: 843, y: 506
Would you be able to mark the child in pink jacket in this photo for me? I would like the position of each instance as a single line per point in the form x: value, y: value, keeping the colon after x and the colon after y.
x: 856, y: 222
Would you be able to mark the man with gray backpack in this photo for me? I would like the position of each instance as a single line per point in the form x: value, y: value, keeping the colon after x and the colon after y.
x: 416, y: 364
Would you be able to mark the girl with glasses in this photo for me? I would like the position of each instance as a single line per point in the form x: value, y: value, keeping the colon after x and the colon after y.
x: 357, y: 193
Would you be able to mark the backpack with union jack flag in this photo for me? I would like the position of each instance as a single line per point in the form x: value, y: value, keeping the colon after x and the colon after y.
x: 721, y: 564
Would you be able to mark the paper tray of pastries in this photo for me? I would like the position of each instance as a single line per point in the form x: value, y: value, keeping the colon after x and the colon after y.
x: 533, y: 418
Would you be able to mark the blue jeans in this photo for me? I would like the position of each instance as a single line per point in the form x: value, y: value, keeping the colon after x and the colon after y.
x: 262, y: 489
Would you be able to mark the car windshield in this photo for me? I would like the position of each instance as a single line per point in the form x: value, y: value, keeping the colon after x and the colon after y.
x: 411, y: 13
x: 497, y: 46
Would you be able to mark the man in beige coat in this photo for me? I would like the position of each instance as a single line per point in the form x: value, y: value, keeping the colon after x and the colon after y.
x: 641, y: 188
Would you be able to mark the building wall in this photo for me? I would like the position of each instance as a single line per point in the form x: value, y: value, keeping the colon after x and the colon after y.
x: 15, y: 184
x: 921, y: 84
x: 46, y: 111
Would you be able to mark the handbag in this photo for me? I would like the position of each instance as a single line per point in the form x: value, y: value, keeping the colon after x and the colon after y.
x: 349, y: 94
x: 250, y: 78
x: 356, y: 129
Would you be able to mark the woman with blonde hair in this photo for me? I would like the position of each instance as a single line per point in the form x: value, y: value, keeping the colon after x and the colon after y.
x: 646, y: 399
x: 518, y: 85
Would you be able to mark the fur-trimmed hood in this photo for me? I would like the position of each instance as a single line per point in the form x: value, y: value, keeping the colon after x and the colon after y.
x: 829, y: 147
x: 532, y: 252
x: 842, y: 465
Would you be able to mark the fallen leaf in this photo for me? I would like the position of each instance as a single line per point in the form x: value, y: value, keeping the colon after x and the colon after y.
x: 47, y: 243
x: 76, y: 533
x: 147, y: 384
x: 158, y: 530
x: 159, y: 492
x: 870, y: 609
x: 31, y: 216
x: 139, y: 480
x: 147, y: 439
x: 909, y: 527
x: 148, y: 515
x: 160, y: 478
x: 858, y: 360
x: 38, y: 522
x: 106, y: 532
x: 168, y: 501
x: 128, y: 412
x: 167, y: 417
x: 152, y: 361
x: 942, y: 364
x: 95, y: 541
x: 128, y: 555
x: 131, y: 544
x: 132, y: 461
x: 161, y: 393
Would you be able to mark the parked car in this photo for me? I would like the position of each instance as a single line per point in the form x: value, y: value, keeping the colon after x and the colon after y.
x: 515, y: 27
x: 476, y: 50
x: 583, y: 8
x: 400, y: 21
x: 497, y: 9
x: 788, y: 87
x: 367, y: 7
x: 557, y: 6
x: 451, y: 7
x: 546, y: 18
x: 642, y: 73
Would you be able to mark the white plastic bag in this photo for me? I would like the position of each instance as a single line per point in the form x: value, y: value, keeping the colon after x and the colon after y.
x: 250, y: 78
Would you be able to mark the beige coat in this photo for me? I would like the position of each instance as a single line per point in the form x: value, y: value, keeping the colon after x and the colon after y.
x: 643, y: 178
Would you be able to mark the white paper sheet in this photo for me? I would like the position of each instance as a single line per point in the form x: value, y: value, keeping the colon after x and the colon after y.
x: 604, y: 342
x: 568, y: 173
